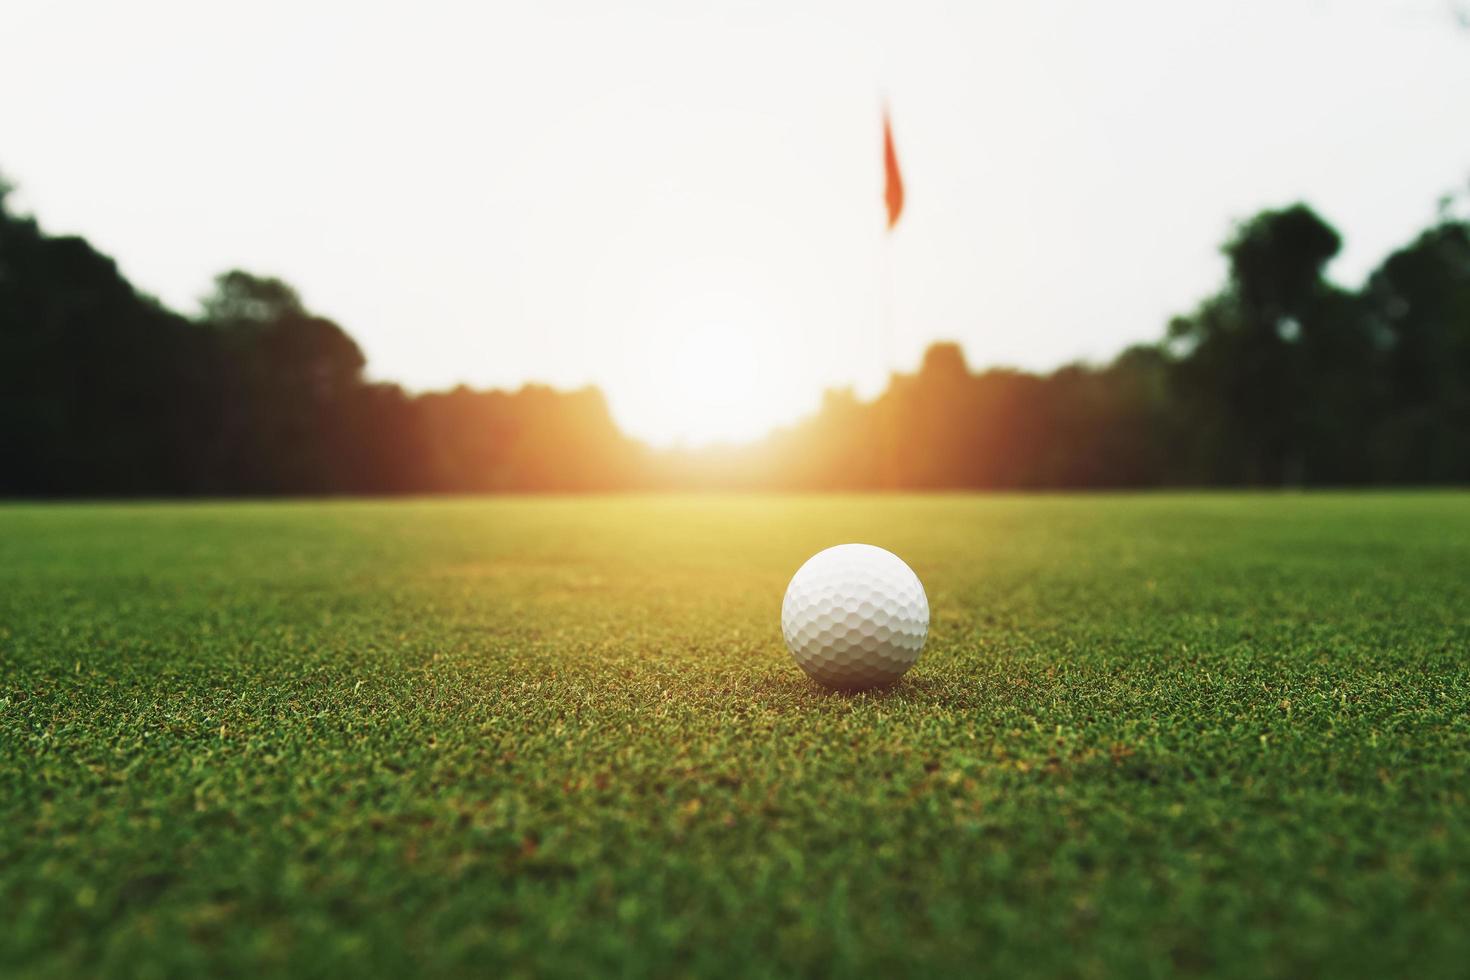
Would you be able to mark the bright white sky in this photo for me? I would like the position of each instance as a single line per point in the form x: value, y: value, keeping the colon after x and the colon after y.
x: 682, y: 202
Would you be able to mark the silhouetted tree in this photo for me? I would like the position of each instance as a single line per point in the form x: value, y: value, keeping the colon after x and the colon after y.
x: 288, y: 386
x: 1420, y: 305
x: 1252, y: 357
x: 95, y: 377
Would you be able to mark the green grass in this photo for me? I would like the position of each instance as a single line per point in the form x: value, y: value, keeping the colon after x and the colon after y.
x: 1150, y: 735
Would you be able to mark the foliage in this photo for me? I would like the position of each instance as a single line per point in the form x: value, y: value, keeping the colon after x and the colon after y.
x: 1280, y: 378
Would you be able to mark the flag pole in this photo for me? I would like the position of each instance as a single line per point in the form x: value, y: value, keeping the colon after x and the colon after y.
x: 885, y: 304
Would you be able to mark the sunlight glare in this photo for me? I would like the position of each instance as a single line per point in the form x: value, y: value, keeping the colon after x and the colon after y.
x: 720, y: 381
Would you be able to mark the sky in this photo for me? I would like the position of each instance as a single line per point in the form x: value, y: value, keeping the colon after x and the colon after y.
x: 682, y: 203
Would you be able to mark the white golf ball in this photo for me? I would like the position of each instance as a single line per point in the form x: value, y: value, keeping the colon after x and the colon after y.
x: 855, y: 616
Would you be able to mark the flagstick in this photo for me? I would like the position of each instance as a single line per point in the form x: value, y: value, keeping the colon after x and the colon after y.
x: 885, y: 278
x: 885, y: 305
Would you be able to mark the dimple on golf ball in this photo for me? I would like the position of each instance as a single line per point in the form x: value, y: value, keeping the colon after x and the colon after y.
x: 855, y: 616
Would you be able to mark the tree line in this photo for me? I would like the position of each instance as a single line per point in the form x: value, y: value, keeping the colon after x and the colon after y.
x: 1279, y: 378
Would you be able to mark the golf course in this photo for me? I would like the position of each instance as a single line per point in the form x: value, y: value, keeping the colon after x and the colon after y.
x: 1150, y: 735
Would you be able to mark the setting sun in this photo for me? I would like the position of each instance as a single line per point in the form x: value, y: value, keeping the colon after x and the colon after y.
x: 716, y: 381
x: 723, y: 380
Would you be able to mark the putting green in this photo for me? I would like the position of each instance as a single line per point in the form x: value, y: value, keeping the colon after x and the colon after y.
x: 1197, y: 734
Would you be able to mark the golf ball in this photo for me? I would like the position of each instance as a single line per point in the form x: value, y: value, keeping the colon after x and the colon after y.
x: 855, y: 616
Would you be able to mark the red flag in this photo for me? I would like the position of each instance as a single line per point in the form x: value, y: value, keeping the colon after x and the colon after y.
x: 893, y: 185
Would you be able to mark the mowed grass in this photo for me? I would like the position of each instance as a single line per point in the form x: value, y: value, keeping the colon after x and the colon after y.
x: 1150, y: 735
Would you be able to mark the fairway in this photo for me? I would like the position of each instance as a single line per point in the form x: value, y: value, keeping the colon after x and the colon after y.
x: 1150, y: 735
